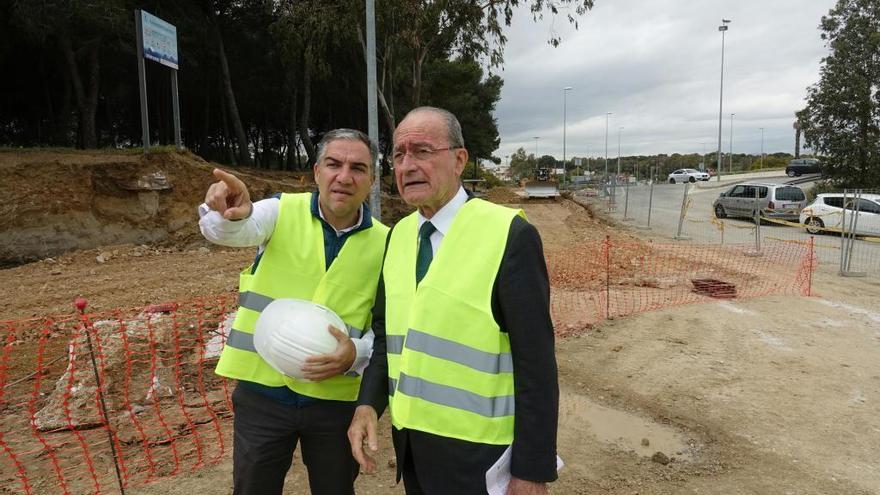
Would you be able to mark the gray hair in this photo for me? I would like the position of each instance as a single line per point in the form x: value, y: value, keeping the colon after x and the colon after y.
x: 453, y: 127
x: 347, y: 135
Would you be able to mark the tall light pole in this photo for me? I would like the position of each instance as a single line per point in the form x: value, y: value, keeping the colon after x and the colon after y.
x: 606, y: 144
x: 536, y: 151
x: 730, y: 167
x: 762, y: 148
x: 703, y: 158
x: 619, y: 129
x: 373, y: 106
x: 565, y: 91
x: 723, y: 29
x: 589, y: 170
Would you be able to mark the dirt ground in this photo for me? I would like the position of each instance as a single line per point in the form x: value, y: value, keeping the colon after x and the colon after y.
x: 776, y: 395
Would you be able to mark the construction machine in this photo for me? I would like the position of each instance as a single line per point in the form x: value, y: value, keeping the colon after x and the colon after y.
x: 541, y: 185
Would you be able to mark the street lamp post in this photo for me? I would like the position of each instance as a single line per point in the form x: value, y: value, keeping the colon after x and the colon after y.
x: 565, y: 91
x: 762, y: 148
x: 587, y: 158
x: 619, y: 130
x: 373, y: 106
x: 730, y: 167
x: 606, y: 144
x: 723, y: 29
x: 703, y: 158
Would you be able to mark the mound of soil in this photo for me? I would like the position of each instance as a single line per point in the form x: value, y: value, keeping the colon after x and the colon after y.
x: 57, y: 202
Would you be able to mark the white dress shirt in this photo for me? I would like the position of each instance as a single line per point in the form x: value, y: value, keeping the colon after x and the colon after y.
x: 442, y: 220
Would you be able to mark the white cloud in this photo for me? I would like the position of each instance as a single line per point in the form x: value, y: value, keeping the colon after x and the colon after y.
x: 656, y: 65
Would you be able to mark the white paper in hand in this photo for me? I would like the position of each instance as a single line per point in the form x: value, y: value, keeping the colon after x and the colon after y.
x: 498, y: 476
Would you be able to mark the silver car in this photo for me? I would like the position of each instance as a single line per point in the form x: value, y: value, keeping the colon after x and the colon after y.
x: 772, y: 201
x: 687, y: 175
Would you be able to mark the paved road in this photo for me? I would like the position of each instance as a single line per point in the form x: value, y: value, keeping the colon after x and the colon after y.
x: 701, y: 227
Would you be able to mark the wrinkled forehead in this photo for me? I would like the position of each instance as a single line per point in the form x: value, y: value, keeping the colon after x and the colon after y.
x: 347, y: 150
x: 421, y: 128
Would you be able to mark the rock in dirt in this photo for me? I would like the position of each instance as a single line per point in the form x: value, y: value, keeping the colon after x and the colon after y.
x: 72, y: 404
x: 660, y: 458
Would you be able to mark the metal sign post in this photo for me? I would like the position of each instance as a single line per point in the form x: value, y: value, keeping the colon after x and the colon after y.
x: 142, y: 82
x: 156, y: 41
x: 175, y: 106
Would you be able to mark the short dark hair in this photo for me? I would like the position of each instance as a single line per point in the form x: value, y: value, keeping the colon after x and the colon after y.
x: 347, y: 135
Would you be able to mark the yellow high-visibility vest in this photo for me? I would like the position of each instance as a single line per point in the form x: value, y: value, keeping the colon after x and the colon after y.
x: 293, y: 266
x: 449, y: 364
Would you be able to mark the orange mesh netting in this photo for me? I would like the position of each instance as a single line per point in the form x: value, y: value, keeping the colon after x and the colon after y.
x: 91, y: 401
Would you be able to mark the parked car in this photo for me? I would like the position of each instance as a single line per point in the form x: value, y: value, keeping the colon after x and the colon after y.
x: 687, y: 175
x: 779, y: 201
x: 827, y: 212
x: 801, y: 166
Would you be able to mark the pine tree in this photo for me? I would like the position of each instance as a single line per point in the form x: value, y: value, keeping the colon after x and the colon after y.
x: 842, y: 117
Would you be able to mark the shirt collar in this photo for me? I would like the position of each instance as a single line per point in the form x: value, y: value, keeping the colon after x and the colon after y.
x: 442, y: 220
x: 364, y: 220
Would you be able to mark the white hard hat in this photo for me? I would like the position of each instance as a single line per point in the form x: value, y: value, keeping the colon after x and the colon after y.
x: 290, y: 330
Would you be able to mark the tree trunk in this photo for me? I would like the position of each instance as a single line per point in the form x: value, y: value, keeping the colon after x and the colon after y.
x: 206, y: 122
x: 243, y: 150
x: 86, y: 96
x: 797, y: 143
x: 417, y: 74
x: 227, y: 142
x: 304, y: 116
x: 47, y: 101
x: 62, y: 123
x: 292, y: 153
x: 386, y: 104
x: 416, y: 83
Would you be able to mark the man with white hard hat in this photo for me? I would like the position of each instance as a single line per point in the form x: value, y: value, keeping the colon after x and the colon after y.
x: 322, y: 247
x: 464, y: 357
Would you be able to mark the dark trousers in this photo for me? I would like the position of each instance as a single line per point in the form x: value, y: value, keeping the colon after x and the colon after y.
x: 266, y: 433
x: 435, y: 465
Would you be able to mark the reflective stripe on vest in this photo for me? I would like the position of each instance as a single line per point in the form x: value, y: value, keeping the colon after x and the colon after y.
x: 492, y: 407
x: 449, y: 365
x: 451, y: 351
x: 293, y: 266
x: 258, y: 302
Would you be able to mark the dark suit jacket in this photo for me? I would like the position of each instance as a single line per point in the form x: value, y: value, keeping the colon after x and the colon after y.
x: 521, y: 306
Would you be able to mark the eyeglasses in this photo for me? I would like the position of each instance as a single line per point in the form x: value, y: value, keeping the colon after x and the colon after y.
x: 421, y: 153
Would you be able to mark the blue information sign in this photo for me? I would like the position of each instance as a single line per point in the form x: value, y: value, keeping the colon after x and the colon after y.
x: 160, y: 40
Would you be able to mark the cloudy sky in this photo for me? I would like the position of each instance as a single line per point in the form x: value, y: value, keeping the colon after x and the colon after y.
x: 656, y: 65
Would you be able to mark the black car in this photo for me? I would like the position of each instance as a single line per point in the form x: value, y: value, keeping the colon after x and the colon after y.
x: 801, y: 166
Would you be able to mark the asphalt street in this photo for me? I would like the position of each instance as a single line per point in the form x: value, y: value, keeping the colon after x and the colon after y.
x: 700, y: 226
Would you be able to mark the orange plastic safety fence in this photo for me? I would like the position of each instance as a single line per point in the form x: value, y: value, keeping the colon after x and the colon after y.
x: 153, y: 409
x: 593, y: 281
x: 86, y: 396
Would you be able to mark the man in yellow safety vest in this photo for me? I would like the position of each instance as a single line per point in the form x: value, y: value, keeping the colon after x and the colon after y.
x: 322, y: 247
x: 463, y: 356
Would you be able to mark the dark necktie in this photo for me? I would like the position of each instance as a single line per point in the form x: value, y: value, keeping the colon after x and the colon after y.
x: 426, y: 254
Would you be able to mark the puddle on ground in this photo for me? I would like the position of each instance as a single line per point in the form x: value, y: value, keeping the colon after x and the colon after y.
x: 625, y: 430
